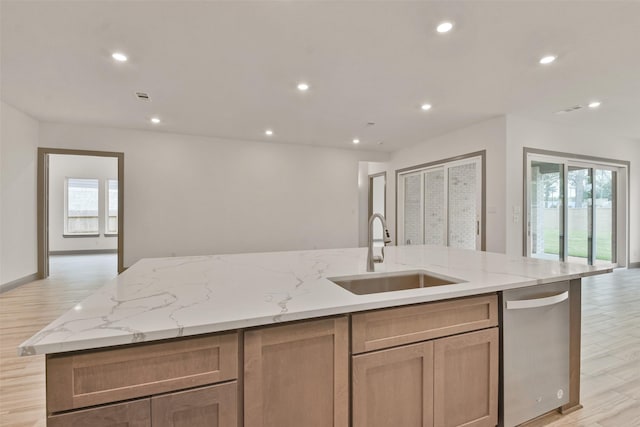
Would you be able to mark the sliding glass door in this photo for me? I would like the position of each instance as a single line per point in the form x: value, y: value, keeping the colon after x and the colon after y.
x: 570, y: 210
x: 604, y: 216
x: 546, y: 213
x: 579, y: 215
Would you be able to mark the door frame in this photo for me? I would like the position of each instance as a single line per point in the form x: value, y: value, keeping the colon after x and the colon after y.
x: 370, y: 208
x: 576, y: 159
x: 42, y: 195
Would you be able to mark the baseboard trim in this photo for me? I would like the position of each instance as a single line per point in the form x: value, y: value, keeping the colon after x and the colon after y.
x: 634, y: 265
x: 18, y: 282
x: 85, y: 252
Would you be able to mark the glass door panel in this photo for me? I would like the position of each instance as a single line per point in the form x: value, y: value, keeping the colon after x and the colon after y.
x: 579, y: 214
x: 546, y: 210
x: 604, y: 230
x: 413, y: 209
x: 462, y: 207
x: 434, y: 208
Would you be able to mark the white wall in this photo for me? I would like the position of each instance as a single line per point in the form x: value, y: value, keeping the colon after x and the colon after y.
x: 188, y: 195
x: 489, y: 135
x: 541, y: 135
x: 68, y: 166
x: 18, y: 145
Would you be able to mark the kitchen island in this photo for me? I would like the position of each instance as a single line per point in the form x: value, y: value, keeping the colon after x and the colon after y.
x: 258, y: 335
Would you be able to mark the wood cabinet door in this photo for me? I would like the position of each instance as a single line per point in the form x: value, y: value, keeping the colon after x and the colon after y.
x: 466, y: 380
x: 127, y: 414
x: 297, y: 375
x: 212, y: 406
x: 394, y: 387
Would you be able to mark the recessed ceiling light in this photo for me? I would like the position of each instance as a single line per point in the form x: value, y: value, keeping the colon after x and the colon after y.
x: 594, y: 104
x: 302, y: 87
x: 356, y: 141
x: 444, y: 27
x: 268, y: 132
x: 547, y: 59
x: 425, y: 107
x: 120, y: 57
x: 155, y: 120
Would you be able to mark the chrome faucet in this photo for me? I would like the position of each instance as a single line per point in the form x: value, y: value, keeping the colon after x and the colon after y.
x: 371, y: 258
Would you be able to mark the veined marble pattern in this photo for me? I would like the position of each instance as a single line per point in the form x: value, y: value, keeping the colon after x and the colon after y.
x: 170, y: 297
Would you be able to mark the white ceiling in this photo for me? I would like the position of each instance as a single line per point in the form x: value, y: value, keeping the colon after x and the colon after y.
x: 230, y: 69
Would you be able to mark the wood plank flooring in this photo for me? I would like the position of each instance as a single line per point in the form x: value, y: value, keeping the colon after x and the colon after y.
x: 26, y: 310
x: 610, y: 342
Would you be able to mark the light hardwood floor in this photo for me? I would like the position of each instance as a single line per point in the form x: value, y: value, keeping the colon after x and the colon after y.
x: 26, y: 310
x: 610, y: 343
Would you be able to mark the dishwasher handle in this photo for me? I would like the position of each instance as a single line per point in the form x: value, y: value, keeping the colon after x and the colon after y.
x: 537, y: 302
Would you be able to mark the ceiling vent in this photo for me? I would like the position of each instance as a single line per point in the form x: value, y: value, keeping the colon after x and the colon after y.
x: 570, y: 109
x: 143, y: 96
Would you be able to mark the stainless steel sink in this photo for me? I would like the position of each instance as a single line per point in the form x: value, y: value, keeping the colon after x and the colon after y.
x: 388, y: 282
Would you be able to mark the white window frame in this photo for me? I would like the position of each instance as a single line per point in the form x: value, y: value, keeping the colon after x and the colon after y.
x: 66, y: 232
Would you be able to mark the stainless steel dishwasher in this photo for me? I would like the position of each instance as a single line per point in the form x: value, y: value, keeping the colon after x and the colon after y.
x: 535, y: 356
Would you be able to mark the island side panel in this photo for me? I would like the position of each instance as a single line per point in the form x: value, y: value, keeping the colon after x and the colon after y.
x: 575, y: 334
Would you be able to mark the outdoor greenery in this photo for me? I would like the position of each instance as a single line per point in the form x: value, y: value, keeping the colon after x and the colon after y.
x: 578, y: 244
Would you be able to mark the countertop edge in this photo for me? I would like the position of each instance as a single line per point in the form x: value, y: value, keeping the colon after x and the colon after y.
x: 218, y: 327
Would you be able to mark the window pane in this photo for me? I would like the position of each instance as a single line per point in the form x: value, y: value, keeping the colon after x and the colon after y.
x: 579, y: 213
x: 434, y: 223
x: 412, y: 209
x: 112, y: 206
x: 604, y: 215
x: 545, y: 211
x: 82, y: 205
x: 462, y: 206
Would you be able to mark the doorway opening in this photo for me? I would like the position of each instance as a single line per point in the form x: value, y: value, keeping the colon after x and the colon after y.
x: 80, y: 210
x: 378, y: 204
x: 575, y: 208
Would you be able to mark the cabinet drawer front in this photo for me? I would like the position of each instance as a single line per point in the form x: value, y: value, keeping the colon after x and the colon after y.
x: 213, y: 406
x: 85, y: 379
x: 127, y: 414
x: 391, y: 327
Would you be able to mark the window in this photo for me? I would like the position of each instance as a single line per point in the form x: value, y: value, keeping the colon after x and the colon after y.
x: 81, y: 213
x: 111, y: 226
x: 441, y: 204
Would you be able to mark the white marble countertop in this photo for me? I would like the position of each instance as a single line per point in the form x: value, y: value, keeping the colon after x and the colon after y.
x: 171, y: 297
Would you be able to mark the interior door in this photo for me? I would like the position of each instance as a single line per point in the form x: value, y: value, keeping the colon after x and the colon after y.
x: 464, y: 204
x: 412, y: 199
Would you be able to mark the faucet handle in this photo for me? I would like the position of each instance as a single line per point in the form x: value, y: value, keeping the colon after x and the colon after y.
x: 387, y: 236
